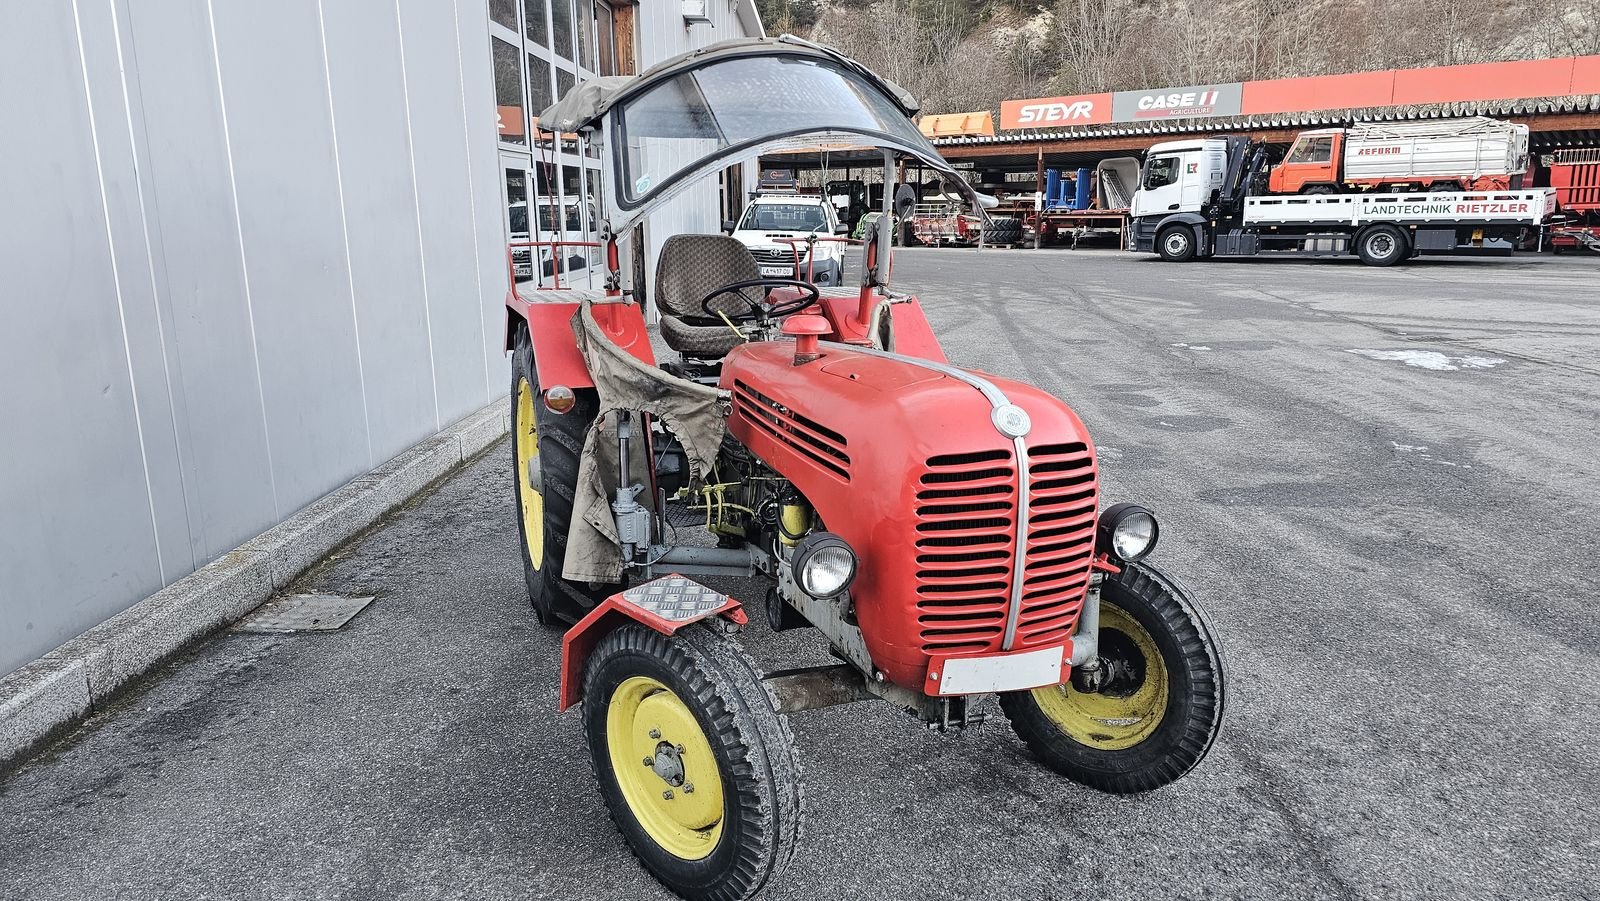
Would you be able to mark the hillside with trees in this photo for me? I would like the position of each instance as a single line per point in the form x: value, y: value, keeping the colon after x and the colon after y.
x: 959, y: 55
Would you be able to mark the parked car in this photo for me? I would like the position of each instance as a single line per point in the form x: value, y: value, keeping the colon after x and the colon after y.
x: 770, y: 218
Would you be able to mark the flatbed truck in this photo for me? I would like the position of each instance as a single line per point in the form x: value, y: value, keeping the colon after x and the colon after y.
x: 1206, y: 198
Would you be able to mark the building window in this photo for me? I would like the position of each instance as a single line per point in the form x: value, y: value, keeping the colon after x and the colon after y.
x: 504, y: 12
x: 561, y: 27
x: 539, y: 95
x: 586, y: 34
x: 512, y: 125
x: 534, y: 24
x: 606, y: 29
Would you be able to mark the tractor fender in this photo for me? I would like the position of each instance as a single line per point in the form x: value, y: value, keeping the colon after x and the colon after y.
x: 556, y: 358
x: 666, y: 605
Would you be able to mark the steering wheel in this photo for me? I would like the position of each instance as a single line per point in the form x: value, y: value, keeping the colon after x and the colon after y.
x: 762, y: 310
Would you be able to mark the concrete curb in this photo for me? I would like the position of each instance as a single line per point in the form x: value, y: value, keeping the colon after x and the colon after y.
x: 64, y: 686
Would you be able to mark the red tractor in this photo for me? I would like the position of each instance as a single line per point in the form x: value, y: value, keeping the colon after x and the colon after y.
x: 940, y: 528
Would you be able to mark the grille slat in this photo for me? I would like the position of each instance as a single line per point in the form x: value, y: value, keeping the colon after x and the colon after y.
x: 805, y: 436
x: 965, y: 527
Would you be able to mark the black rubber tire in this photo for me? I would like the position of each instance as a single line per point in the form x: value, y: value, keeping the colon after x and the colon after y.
x: 1440, y: 187
x: 555, y: 601
x: 1003, y: 230
x: 1176, y: 244
x: 1319, y: 189
x: 1193, y: 716
x: 1382, y: 245
x: 755, y: 752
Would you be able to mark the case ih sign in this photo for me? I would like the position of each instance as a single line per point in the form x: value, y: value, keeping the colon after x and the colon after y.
x: 1177, y: 103
x: 1564, y: 77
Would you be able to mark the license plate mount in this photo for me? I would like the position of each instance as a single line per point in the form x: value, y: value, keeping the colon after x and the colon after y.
x: 997, y: 672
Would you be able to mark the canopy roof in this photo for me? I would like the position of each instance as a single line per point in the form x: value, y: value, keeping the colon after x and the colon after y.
x: 587, y: 102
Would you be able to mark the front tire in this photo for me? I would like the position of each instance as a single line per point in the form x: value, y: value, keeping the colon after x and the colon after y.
x: 545, y: 448
x: 1176, y: 244
x: 1160, y: 710
x: 698, y: 771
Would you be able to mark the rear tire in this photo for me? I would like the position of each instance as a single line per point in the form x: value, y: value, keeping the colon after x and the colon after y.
x: 1382, y: 245
x: 1152, y: 724
x: 1176, y: 243
x: 716, y: 812
x: 1440, y: 187
x: 552, y: 443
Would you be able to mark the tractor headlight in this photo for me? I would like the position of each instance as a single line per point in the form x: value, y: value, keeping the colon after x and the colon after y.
x: 1128, y: 532
x: 824, y: 565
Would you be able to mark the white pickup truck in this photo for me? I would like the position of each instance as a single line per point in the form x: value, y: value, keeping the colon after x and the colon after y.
x: 769, y: 219
x: 1196, y: 199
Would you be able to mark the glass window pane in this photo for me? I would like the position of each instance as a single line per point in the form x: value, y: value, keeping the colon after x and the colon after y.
x: 561, y: 27
x: 533, y: 22
x: 517, y: 222
x: 539, y: 96
x: 586, y: 34
x: 564, y: 81
x: 504, y: 12
x: 702, y: 112
x: 607, y: 35
x: 508, y: 93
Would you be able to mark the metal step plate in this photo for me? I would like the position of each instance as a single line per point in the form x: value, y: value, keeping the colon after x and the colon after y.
x: 303, y: 613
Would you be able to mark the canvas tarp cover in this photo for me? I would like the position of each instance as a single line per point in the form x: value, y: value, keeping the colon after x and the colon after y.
x: 695, y: 413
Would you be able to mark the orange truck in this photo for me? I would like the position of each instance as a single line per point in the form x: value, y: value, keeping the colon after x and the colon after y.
x: 1472, y: 154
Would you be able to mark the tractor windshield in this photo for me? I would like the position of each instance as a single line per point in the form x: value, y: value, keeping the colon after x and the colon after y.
x: 675, y: 128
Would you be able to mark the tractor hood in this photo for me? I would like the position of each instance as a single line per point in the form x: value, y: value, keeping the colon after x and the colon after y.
x: 692, y: 116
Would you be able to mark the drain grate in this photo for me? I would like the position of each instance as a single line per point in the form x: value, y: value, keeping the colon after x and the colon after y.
x: 303, y: 613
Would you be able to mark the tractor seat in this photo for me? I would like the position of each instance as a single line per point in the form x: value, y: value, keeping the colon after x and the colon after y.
x: 692, y: 266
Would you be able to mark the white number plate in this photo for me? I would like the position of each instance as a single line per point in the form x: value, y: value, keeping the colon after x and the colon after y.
x: 1012, y: 672
x: 776, y: 270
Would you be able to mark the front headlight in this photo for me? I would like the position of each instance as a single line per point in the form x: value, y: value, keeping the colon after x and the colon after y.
x: 1128, y: 532
x: 823, y: 565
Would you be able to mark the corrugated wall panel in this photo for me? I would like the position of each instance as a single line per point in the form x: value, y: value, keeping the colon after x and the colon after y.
x: 439, y: 148
x: 287, y: 183
x: 380, y: 221
x: 75, y: 515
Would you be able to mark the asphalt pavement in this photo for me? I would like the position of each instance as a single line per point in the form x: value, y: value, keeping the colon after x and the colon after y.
x: 1381, y: 482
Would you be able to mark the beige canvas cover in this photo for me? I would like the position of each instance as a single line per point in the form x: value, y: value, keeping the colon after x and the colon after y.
x: 696, y: 414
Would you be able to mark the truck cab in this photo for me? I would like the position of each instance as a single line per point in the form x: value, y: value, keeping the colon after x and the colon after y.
x: 1180, y: 176
x: 1312, y: 165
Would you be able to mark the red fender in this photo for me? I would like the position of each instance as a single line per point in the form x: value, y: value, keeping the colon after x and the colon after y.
x: 666, y: 605
x: 556, y: 358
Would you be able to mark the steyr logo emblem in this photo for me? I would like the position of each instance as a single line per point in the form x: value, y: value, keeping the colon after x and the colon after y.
x: 1056, y: 112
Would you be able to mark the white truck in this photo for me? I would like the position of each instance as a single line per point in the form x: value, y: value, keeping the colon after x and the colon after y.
x: 1201, y: 198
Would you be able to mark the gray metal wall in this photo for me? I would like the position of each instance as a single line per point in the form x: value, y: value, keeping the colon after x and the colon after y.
x: 247, y: 251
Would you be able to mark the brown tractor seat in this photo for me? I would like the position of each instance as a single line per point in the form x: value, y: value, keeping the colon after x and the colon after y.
x: 690, y: 267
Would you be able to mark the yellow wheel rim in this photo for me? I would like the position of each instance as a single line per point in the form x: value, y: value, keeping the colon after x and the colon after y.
x: 527, y: 439
x: 665, y: 768
x: 1107, y: 721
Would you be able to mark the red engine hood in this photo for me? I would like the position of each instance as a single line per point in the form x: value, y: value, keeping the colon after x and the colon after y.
x: 904, y: 462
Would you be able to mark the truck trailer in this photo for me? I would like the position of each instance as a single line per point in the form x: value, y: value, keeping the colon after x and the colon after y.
x: 1201, y: 198
x: 1575, y: 175
x: 1472, y: 154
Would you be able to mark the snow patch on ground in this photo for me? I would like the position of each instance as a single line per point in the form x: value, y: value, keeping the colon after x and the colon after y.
x: 1421, y: 452
x: 1429, y: 359
x: 1192, y: 346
